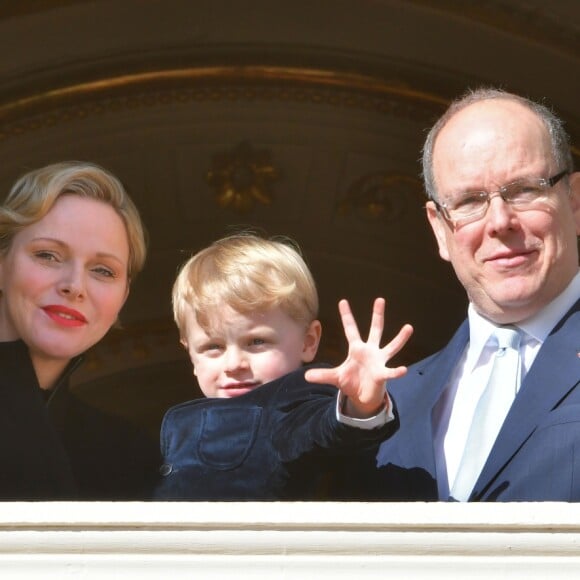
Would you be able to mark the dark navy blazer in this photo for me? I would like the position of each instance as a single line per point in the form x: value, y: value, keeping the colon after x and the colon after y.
x: 536, y: 456
x: 280, y: 441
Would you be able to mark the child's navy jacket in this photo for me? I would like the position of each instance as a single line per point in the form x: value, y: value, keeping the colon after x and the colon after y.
x: 280, y: 441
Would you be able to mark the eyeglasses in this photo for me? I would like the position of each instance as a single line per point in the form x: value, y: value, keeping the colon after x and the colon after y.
x: 522, y: 194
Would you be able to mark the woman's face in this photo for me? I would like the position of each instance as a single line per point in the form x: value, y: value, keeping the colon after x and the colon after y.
x: 64, y: 279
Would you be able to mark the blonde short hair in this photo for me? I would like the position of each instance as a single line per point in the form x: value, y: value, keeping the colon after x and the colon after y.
x: 246, y: 272
x: 36, y: 192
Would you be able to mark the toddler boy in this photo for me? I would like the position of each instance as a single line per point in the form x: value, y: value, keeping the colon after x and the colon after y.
x: 246, y: 310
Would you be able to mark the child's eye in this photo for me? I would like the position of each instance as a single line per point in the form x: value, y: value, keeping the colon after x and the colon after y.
x: 257, y: 342
x: 212, y: 347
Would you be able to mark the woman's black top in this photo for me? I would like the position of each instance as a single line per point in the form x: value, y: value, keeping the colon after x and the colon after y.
x: 59, y: 447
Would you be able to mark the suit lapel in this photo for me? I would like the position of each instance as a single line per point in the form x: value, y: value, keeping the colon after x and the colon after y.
x: 555, y: 371
x: 419, y: 394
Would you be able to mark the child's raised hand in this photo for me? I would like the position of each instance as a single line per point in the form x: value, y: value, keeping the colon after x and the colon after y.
x: 361, y: 377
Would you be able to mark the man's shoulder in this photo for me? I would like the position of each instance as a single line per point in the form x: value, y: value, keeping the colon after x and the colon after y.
x: 451, y: 348
x: 433, y: 366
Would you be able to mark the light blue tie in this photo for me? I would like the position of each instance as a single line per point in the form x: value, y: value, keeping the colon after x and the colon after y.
x: 491, y: 411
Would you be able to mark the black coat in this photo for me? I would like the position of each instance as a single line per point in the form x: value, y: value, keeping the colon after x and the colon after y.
x: 64, y: 448
x: 34, y: 462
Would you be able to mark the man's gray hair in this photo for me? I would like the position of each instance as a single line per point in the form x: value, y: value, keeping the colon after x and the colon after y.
x: 554, y: 125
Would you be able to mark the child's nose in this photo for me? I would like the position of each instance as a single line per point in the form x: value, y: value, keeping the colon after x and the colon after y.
x: 235, y: 359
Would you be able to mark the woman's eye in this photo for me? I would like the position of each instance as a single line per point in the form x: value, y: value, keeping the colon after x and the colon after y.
x: 105, y: 272
x: 45, y: 256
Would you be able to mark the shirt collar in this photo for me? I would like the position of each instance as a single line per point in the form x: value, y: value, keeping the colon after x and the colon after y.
x: 538, y: 326
x: 480, y: 331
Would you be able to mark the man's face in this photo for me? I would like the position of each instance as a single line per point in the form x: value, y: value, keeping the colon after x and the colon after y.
x: 511, y: 263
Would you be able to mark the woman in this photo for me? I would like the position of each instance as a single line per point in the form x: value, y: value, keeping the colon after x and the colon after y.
x: 71, y: 241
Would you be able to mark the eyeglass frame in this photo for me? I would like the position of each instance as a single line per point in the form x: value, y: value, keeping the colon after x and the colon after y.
x: 546, y: 183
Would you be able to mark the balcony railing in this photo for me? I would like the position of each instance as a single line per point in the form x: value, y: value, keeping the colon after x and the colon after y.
x: 289, y: 540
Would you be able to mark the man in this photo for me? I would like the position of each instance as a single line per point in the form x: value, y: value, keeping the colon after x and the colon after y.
x: 505, y: 209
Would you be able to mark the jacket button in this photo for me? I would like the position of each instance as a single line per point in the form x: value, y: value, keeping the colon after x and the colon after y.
x: 166, y: 469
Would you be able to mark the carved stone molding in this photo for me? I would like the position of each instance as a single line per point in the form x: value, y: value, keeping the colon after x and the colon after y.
x: 381, y: 196
x: 210, y: 84
x: 242, y: 177
x: 251, y: 83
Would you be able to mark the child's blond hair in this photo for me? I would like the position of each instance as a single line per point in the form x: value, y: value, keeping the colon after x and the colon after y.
x: 247, y: 273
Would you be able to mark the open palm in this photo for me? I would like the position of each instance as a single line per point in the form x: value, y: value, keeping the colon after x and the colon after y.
x: 362, y: 375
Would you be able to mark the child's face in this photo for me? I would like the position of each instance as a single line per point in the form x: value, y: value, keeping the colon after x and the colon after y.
x: 241, y: 352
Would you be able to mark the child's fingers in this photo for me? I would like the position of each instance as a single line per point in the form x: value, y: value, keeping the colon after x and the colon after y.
x: 348, y: 322
x: 322, y: 376
x: 391, y: 349
x: 395, y: 373
x: 377, y: 322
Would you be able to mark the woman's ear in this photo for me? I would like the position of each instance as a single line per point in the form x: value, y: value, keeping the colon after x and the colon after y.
x: 311, y: 341
x: 126, y: 294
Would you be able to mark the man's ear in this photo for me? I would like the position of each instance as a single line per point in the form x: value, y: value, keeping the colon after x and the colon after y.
x: 311, y: 341
x: 574, y: 200
x: 439, y: 227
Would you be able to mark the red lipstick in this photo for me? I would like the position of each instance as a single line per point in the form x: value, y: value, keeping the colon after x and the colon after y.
x: 65, y: 316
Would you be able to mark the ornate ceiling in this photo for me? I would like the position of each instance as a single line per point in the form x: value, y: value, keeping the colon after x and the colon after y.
x: 298, y: 118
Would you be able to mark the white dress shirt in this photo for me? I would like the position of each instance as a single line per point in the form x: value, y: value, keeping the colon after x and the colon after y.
x: 454, y: 412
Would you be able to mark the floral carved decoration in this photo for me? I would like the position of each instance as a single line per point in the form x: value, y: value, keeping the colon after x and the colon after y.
x: 242, y: 177
x: 380, y: 196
